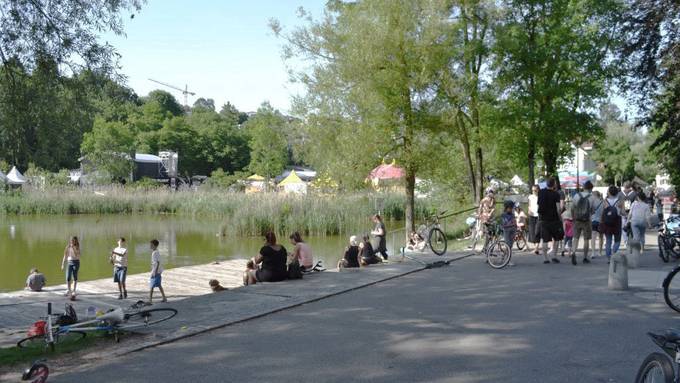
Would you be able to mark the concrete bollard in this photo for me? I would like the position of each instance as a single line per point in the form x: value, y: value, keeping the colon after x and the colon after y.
x: 618, y: 272
x: 633, y: 256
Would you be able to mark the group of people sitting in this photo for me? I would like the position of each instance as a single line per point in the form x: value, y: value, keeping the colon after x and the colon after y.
x: 274, y: 264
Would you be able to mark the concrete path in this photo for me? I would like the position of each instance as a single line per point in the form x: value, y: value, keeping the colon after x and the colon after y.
x: 465, y: 323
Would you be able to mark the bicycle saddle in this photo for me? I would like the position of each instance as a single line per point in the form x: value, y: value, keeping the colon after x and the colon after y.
x: 671, y: 335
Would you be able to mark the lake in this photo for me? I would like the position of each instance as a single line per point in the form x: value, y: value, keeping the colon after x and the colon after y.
x: 39, y: 241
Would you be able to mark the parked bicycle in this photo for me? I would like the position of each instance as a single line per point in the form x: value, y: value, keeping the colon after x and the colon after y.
x: 496, y: 250
x: 433, y: 234
x: 62, y: 328
x: 669, y: 238
x: 658, y: 367
x: 520, y: 239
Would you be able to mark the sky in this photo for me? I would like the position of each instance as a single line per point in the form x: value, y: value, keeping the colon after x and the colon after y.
x: 220, y: 49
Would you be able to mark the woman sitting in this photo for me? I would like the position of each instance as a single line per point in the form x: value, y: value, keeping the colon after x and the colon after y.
x: 302, y: 252
x: 272, y: 261
x: 366, y: 253
x: 351, y: 257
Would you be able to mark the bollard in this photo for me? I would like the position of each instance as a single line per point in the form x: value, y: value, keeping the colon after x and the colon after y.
x: 633, y: 256
x: 618, y: 272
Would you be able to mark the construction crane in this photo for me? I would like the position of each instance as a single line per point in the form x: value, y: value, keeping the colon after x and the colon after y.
x: 184, y: 91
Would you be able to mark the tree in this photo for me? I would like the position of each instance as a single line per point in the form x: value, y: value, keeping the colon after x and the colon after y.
x: 204, y: 103
x: 553, y: 64
x: 651, y: 54
x: 268, y: 147
x: 64, y: 32
x: 383, y: 85
x: 109, y: 147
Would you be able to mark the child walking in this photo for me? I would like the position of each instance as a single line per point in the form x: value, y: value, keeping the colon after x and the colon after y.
x: 71, y: 260
x: 156, y: 271
x: 119, y: 260
x: 568, y: 222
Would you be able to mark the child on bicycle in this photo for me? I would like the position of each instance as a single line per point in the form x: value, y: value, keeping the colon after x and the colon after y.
x: 509, y: 223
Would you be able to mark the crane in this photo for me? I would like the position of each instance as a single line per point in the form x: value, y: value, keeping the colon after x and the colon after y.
x: 184, y: 91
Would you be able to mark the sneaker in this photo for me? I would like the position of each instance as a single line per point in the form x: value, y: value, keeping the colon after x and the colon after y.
x: 125, y: 294
x: 555, y: 260
x: 164, y: 300
x: 120, y: 296
x: 586, y: 260
x: 573, y: 259
x: 67, y: 293
x: 563, y: 253
x: 546, y: 262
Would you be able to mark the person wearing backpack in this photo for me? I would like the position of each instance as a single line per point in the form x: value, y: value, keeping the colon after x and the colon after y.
x: 627, y: 196
x: 581, y: 212
x: 610, y: 222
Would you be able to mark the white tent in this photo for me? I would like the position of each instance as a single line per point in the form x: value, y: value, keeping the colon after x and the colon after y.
x: 14, y: 177
x: 516, y: 181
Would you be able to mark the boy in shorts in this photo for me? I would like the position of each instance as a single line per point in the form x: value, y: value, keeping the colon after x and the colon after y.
x: 156, y: 271
x: 119, y: 260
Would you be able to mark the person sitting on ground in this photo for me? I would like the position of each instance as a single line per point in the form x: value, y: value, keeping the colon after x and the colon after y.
x: 35, y: 281
x: 215, y: 286
x: 302, y: 252
x: 366, y: 253
x: 415, y: 242
x: 272, y: 260
x: 351, y: 257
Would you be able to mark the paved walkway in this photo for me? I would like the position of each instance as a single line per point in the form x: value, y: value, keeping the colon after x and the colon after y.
x: 465, y: 323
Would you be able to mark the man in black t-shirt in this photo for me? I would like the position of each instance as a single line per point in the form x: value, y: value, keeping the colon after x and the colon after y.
x: 549, y: 220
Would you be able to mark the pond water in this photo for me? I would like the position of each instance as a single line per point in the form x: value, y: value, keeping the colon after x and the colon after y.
x: 39, y: 241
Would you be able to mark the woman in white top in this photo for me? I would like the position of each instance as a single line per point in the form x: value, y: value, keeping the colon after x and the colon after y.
x: 302, y: 252
x: 532, y: 235
x: 638, y: 218
x: 72, y: 261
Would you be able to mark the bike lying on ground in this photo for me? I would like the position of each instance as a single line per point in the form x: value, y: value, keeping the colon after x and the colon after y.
x: 63, y: 328
x: 433, y: 234
x: 669, y: 238
x: 658, y: 367
x: 496, y: 250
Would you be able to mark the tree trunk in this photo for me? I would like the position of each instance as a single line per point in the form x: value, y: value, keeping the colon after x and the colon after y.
x: 410, y: 200
x: 480, y: 174
x: 467, y: 154
x: 531, y: 162
x: 550, y: 151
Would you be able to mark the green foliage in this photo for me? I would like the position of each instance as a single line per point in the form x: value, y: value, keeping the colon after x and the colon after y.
x: 268, y: 146
x: 219, y: 179
x: 108, y: 148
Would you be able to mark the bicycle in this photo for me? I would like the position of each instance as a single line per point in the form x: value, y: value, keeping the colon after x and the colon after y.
x: 496, y: 250
x: 671, y: 291
x: 520, y: 239
x: 433, y: 235
x: 658, y: 367
x: 113, y: 322
x: 669, y: 238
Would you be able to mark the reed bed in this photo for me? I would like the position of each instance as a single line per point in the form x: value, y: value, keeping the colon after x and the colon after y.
x: 243, y: 214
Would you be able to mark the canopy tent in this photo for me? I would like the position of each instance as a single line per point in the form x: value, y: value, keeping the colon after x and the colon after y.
x: 293, y: 184
x: 256, y: 178
x: 14, y: 177
x: 387, y: 172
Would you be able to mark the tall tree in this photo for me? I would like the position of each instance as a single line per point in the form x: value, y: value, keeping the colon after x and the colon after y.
x: 268, y: 146
x: 553, y: 62
x: 652, y: 56
x: 383, y: 84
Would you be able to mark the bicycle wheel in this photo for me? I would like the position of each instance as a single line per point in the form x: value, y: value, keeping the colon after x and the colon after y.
x: 39, y: 341
x: 437, y: 241
x: 671, y: 290
x: 656, y: 368
x: 520, y: 242
x: 498, y: 254
x: 663, y: 254
x: 147, y: 317
x: 673, y: 246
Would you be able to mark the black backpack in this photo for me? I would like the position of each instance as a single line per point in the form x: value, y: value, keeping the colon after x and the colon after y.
x: 582, y: 208
x: 611, y: 215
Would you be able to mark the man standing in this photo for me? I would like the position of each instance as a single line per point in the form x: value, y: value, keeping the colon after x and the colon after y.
x: 582, y: 211
x: 628, y: 196
x: 549, y: 219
